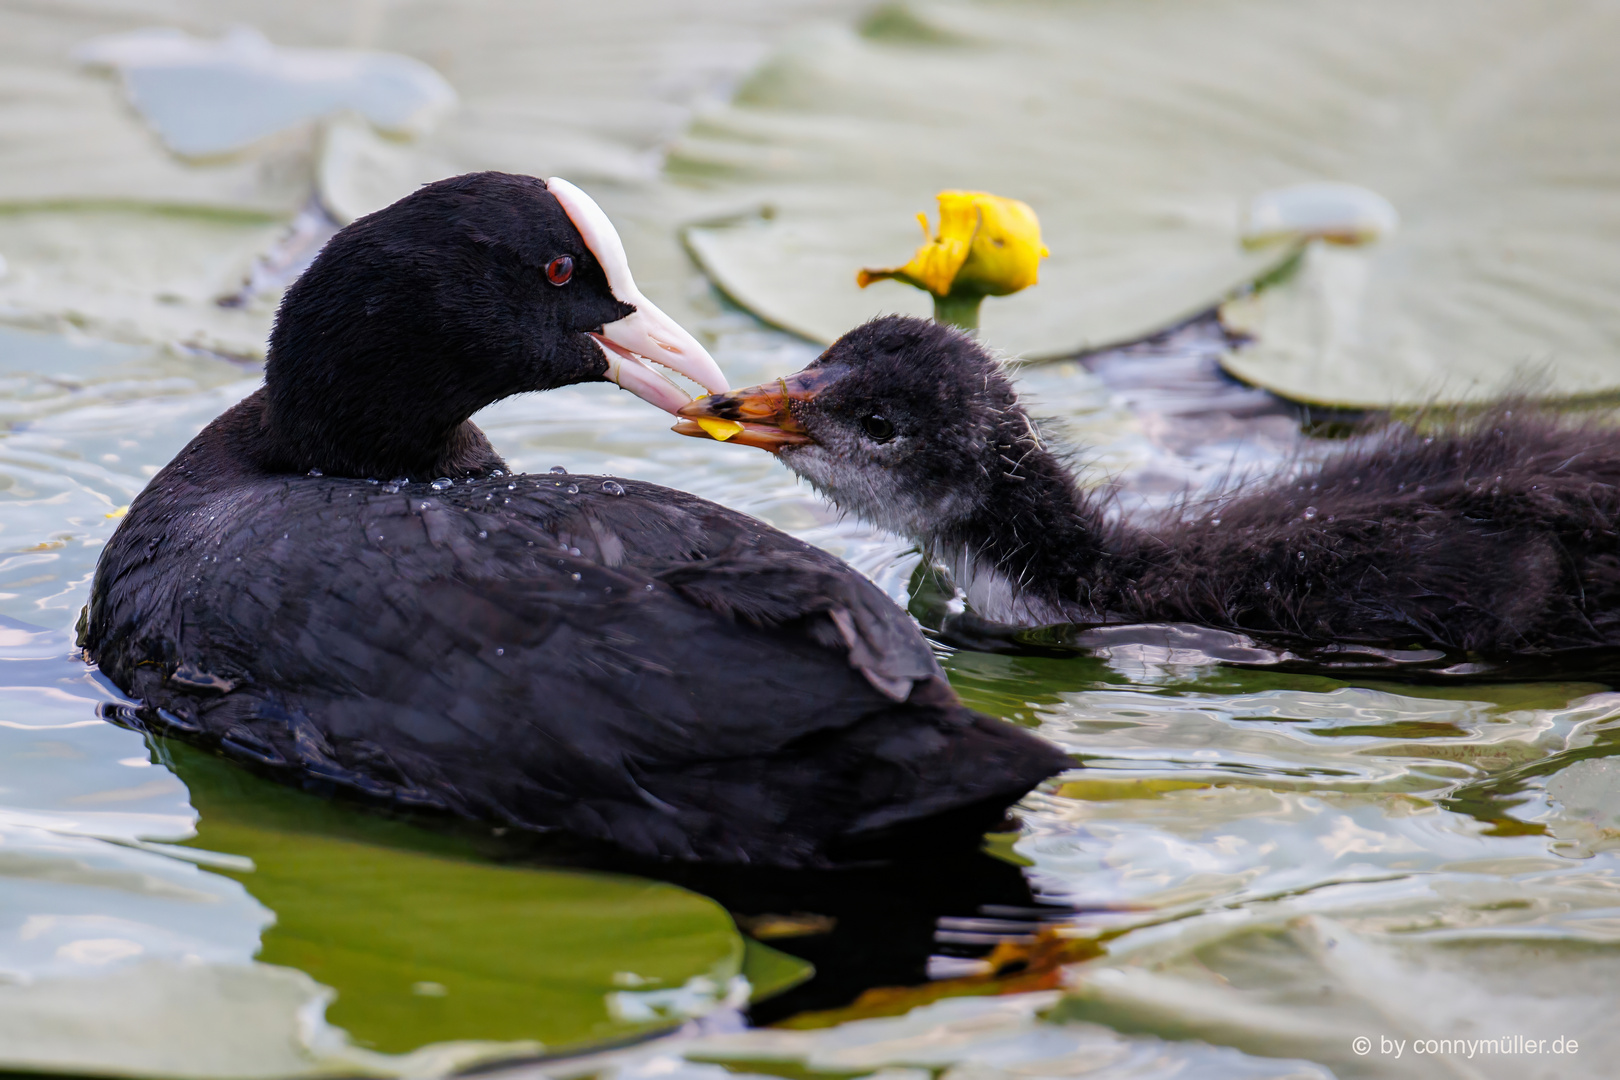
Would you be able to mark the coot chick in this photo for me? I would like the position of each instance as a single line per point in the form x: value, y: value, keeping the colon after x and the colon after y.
x: 338, y: 582
x: 1496, y: 536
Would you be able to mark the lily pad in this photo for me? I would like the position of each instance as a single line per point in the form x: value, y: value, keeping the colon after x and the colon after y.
x: 294, y: 936
x: 425, y: 942
x: 992, y: 1038
x: 207, y: 98
x: 67, y: 138
x: 591, y: 93
x: 138, y: 274
x: 1140, y: 132
x: 1392, y: 993
x: 837, y: 142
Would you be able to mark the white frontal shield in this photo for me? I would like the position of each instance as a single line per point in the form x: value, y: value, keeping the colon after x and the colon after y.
x: 646, y: 336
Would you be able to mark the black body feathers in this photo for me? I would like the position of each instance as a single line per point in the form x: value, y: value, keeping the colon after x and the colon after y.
x: 642, y: 668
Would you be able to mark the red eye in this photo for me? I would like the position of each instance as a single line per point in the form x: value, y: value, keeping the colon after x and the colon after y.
x: 560, y: 269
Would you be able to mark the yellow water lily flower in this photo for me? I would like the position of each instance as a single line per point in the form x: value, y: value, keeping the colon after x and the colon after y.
x: 986, y: 245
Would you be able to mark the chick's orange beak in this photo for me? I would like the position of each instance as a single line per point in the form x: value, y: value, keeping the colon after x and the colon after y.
x: 766, y: 412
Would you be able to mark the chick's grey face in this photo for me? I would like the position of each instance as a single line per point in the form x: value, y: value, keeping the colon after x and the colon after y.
x: 901, y: 431
x: 901, y: 422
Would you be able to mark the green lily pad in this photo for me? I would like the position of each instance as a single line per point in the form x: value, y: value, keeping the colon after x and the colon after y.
x: 842, y: 138
x: 82, y: 174
x: 137, y: 274
x: 424, y: 941
x: 1140, y: 132
x: 1398, y: 990
x: 294, y: 936
x: 1000, y: 1036
x: 1410, y: 323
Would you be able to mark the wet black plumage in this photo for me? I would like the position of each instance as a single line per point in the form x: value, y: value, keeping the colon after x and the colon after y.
x: 1496, y: 534
x: 619, y: 660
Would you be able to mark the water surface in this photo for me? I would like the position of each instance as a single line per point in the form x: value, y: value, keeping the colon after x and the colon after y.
x: 1275, y: 863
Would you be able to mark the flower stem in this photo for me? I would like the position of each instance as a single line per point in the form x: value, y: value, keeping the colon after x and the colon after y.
x: 961, y: 312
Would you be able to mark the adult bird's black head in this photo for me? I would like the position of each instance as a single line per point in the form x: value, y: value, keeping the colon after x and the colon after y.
x: 467, y: 291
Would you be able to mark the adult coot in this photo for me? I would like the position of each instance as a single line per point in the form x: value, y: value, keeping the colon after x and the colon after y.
x: 1496, y: 536
x: 338, y: 581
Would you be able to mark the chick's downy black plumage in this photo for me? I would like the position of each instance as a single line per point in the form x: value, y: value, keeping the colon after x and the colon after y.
x: 616, y: 659
x: 1498, y: 535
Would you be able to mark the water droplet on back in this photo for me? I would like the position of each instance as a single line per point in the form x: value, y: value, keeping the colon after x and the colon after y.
x: 613, y: 487
x: 1310, y: 513
x: 559, y: 470
x: 316, y: 472
x: 572, y: 489
x: 443, y: 483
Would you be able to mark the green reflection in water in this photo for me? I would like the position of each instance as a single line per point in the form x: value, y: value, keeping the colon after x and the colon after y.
x: 1499, y: 774
x: 425, y: 940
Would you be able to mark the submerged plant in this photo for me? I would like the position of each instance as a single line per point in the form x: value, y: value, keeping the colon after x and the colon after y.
x: 986, y: 246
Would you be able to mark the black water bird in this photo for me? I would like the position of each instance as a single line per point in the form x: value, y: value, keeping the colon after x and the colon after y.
x: 340, y: 583
x: 1497, y: 536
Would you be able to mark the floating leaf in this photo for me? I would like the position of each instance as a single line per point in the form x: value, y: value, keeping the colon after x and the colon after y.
x: 97, y: 228
x: 989, y: 1037
x: 425, y: 942
x: 1338, y: 213
x: 1396, y: 991
x: 1142, y: 133
x: 296, y: 936
x: 208, y: 98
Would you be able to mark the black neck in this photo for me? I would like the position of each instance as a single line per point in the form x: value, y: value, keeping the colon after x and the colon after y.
x: 373, y: 437
x: 255, y: 443
x: 364, y: 382
x: 1034, y: 527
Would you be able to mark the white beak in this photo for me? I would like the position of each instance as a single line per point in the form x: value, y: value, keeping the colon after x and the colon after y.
x: 646, y: 336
